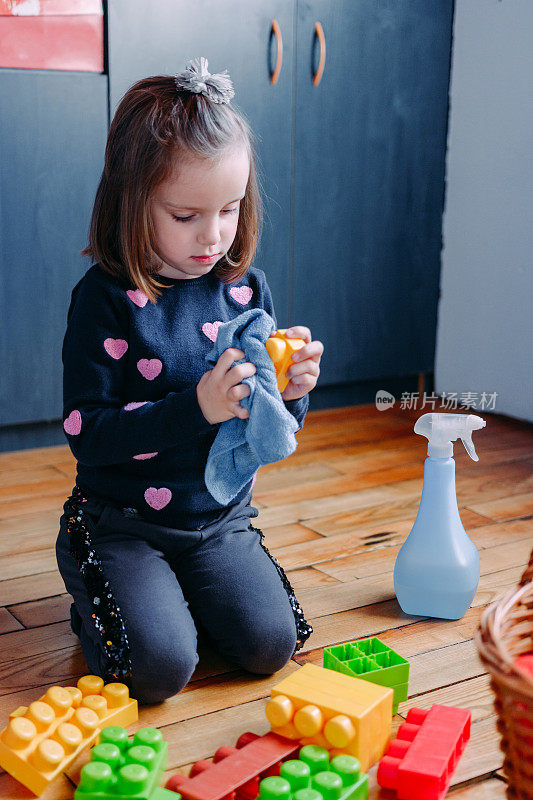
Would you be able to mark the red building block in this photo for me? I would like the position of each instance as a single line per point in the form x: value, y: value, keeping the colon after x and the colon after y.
x: 236, y: 769
x: 420, y: 762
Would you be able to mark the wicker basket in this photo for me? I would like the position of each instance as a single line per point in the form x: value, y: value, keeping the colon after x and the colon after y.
x: 505, y: 632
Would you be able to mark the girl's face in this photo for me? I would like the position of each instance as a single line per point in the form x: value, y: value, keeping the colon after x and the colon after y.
x: 195, y: 213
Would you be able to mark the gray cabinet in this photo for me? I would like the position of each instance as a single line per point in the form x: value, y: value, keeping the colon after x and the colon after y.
x: 53, y: 128
x: 369, y: 150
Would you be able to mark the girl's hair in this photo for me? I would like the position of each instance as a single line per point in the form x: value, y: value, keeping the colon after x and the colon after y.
x: 157, y: 125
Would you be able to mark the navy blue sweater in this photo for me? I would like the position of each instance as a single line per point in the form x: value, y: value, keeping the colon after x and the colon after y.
x: 131, y: 367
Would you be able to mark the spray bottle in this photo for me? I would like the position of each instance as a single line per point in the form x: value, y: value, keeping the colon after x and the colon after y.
x: 437, y: 569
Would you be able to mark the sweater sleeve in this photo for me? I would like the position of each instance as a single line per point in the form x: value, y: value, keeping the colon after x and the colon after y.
x: 298, y: 408
x: 100, y: 429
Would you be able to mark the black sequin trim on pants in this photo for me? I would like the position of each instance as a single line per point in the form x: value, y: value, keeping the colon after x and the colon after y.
x: 303, y: 628
x: 106, y: 613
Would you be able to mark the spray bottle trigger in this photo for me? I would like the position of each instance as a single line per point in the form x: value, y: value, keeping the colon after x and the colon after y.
x: 469, y: 447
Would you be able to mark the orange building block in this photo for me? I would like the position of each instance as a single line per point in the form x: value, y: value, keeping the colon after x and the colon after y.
x: 280, y: 349
x: 335, y: 711
x: 42, y: 739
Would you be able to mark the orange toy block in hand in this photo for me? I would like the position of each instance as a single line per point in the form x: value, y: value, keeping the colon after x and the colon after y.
x: 280, y: 348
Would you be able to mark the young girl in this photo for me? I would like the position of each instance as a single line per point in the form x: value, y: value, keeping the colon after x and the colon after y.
x: 145, y: 551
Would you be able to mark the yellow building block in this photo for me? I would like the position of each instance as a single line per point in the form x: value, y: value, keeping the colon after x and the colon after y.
x: 335, y: 711
x: 280, y: 349
x: 42, y: 739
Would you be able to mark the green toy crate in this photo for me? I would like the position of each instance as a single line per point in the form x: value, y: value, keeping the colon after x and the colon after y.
x: 371, y: 660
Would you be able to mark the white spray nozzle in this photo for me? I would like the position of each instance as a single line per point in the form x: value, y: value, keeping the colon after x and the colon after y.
x: 443, y: 429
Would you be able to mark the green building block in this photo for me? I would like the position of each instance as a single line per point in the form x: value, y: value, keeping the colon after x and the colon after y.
x: 122, y: 768
x: 371, y: 660
x: 313, y: 777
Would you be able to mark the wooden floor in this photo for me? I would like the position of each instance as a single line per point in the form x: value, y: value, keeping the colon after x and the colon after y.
x: 335, y: 514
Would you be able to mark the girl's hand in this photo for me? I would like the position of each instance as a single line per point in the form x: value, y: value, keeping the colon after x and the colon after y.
x: 220, y: 389
x: 305, y: 369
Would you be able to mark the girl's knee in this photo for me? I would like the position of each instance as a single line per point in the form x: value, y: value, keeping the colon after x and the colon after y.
x: 162, y: 675
x: 269, y: 648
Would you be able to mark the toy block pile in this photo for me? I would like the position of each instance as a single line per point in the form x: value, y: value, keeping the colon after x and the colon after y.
x: 371, y: 660
x: 328, y: 726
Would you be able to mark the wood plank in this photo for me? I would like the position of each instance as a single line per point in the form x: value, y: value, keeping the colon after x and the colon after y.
x: 517, y: 537
x: 365, y: 539
x: 395, y: 500
x: 8, y: 622
x: 421, y: 636
x: 20, y: 590
x: 43, y: 612
x: 30, y: 563
x: 53, y: 484
x: 490, y: 789
x: 284, y: 535
x: 473, y: 693
x: 34, y: 531
x: 36, y: 457
x: 308, y: 577
x: 482, y: 755
x: 36, y: 503
x: 506, y: 508
x: 322, y: 601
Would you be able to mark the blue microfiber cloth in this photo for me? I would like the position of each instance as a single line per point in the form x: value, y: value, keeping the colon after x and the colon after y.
x: 267, y: 435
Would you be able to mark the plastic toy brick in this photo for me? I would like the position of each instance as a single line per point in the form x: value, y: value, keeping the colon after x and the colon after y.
x: 335, y: 711
x: 314, y: 777
x: 280, y: 349
x: 125, y: 768
x: 420, y: 762
x: 371, y: 660
x: 525, y: 663
x: 41, y: 740
x: 235, y: 769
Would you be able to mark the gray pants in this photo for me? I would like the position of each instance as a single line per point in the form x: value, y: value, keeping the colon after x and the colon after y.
x: 140, y: 590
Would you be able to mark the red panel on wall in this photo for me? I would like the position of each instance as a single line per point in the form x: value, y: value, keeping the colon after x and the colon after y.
x: 35, y: 8
x: 73, y: 42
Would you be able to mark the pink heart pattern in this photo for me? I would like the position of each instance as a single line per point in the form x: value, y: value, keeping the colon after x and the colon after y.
x: 149, y: 368
x: 143, y: 456
x: 133, y: 406
x: 210, y: 329
x: 242, y: 294
x: 139, y: 298
x: 72, y: 424
x: 157, y: 498
x: 115, y: 347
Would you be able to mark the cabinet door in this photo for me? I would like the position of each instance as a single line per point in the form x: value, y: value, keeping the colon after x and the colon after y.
x: 233, y: 35
x: 369, y: 182
x: 53, y: 128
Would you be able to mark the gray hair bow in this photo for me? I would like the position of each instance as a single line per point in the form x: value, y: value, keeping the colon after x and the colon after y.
x: 217, y: 88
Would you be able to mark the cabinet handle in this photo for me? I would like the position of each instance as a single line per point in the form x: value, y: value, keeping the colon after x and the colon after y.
x: 276, y: 31
x: 319, y: 32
